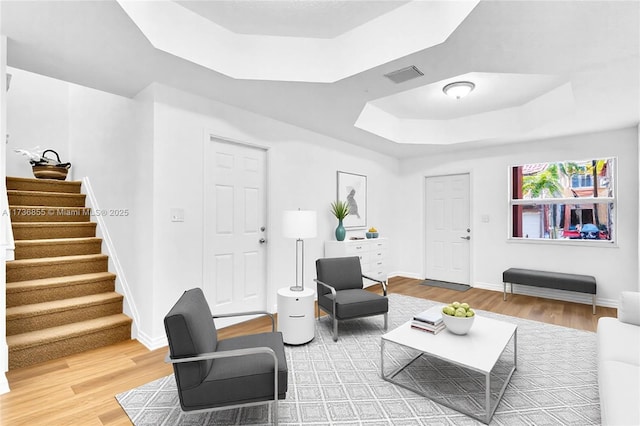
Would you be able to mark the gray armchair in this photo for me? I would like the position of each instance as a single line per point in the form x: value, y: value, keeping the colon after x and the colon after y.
x: 341, y: 291
x: 220, y: 374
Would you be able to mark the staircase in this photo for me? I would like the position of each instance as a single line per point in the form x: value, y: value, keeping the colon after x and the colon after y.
x: 61, y: 298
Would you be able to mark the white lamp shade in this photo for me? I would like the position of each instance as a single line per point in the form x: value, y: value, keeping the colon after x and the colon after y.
x: 300, y: 224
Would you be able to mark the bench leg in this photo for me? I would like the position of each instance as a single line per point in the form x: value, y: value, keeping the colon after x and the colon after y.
x: 593, y: 302
x: 504, y: 290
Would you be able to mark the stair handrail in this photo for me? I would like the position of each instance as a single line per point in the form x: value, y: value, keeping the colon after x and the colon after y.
x: 113, y: 255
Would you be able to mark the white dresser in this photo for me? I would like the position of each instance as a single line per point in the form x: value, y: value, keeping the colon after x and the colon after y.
x: 373, y: 254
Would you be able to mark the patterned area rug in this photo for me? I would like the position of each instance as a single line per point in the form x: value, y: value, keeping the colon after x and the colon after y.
x: 339, y: 383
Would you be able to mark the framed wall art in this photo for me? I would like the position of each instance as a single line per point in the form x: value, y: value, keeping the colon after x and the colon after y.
x: 352, y: 188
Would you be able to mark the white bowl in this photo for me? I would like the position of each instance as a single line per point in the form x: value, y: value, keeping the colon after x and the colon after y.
x: 458, y: 325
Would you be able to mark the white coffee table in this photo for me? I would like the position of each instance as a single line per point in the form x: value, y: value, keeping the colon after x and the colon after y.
x: 478, y: 351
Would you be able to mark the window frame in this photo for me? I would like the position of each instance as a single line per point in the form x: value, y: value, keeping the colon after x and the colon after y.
x: 559, y: 201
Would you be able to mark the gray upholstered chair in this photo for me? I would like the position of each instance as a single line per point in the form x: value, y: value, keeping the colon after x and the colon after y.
x: 341, y: 291
x: 220, y: 374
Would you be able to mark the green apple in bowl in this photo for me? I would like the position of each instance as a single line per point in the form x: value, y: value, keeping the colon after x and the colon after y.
x: 458, y: 317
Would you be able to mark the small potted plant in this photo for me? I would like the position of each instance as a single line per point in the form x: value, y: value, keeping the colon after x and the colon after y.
x: 340, y: 209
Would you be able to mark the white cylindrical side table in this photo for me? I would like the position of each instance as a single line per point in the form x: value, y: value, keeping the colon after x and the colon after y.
x: 295, y: 315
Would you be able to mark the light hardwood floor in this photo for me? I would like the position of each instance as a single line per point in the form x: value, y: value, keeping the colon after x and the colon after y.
x: 80, y: 389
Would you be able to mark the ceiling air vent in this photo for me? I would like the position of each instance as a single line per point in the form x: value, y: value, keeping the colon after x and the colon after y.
x: 404, y: 74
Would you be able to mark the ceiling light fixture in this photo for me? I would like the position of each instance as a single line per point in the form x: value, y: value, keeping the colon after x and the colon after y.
x: 458, y: 89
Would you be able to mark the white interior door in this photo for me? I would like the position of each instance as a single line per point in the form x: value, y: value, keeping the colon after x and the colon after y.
x: 448, y: 229
x: 235, y: 234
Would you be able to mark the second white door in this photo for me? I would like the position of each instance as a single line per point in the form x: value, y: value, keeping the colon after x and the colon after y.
x: 235, y: 233
x: 448, y: 228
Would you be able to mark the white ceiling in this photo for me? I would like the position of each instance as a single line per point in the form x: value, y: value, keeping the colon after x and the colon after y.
x: 493, y: 91
x: 310, y: 18
x: 559, y: 67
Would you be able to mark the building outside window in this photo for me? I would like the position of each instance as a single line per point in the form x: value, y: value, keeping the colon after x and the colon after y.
x: 566, y: 200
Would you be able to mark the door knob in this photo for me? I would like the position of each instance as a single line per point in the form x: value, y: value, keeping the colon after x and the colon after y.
x: 262, y: 240
x: 466, y: 238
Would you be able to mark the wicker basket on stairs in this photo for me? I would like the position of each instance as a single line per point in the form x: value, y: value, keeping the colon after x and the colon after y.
x: 49, y: 168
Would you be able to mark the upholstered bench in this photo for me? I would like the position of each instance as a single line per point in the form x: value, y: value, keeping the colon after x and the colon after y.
x: 555, y: 280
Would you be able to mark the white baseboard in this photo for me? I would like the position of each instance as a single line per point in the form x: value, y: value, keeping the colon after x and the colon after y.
x: 405, y: 275
x: 152, y: 343
x: 548, y: 293
x: 567, y: 296
x: 4, y: 384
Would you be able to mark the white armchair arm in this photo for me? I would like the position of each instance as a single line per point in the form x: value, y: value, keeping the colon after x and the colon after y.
x: 629, y: 309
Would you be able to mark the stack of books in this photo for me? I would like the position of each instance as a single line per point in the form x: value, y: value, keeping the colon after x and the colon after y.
x: 429, y: 320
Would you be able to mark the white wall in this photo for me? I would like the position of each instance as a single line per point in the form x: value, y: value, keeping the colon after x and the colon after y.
x: 301, y: 174
x: 107, y: 138
x: 615, y: 268
x: 37, y: 116
x: 109, y: 146
x: 145, y: 155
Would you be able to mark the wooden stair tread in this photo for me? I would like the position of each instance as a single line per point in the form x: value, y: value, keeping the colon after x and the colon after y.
x: 51, y: 224
x: 55, y: 208
x: 66, y: 302
x: 49, y: 195
x: 53, y: 334
x: 32, y: 179
x: 61, y: 305
x: 55, y: 266
x: 24, y: 231
x: 26, y: 213
x: 28, y: 285
x: 15, y: 183
x: 53, y: 247
x: 58, y: 259
x: 57, y: 241
x: 45, y: 193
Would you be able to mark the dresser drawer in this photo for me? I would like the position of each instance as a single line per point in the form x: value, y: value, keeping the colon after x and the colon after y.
x: 373, y: 254
x: 378, y: 254
x: 378, y: 244
x: 378, y: 274
x: 355, y: 249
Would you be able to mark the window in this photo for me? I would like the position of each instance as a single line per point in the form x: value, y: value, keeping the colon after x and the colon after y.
x: 581, y: 181
x: 568, y: 200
